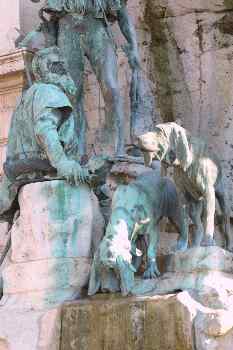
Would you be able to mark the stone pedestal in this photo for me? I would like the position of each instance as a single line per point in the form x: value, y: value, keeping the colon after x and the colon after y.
x: 30, y: 330
x: 175, y: 322
x: 198, y: 315
x: 110, y: 322
x: 51, y: 245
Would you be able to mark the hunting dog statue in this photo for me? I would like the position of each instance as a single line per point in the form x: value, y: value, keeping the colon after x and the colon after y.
x: 197, y: 173
x: 137, y: 209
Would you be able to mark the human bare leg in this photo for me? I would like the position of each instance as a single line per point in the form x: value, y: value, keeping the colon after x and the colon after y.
x: 69, y: 41
x: 152, y: 270
x: 103, y: 60
x: 208, y: 217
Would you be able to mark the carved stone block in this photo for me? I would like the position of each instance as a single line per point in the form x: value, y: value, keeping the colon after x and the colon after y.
x: 52, y: 243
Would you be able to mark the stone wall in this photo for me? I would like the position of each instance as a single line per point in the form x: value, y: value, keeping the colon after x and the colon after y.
x: 191, y: 45
x: 186, y: 53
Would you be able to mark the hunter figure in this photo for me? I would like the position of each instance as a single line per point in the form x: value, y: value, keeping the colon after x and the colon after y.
x: 84, y: 29
x: 41, y: 140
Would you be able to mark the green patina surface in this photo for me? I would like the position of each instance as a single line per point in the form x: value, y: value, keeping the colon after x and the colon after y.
x: 42, y: 139
x: 136, y: 210
x: 83, y: 28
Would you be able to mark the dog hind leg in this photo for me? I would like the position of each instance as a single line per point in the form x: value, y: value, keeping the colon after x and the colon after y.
x: 196, y: 208
x: 223, y: 203
x: 152, y: 270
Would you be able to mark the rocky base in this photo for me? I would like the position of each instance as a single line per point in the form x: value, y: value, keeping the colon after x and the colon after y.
x: 204, y: 272
x: 51, y: 245
x: 175, y: 322
x: 197, y: 316
x: 112, y: 322
x: 30, y: 330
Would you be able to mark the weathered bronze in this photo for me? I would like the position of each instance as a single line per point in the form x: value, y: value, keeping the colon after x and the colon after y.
x: 84, y: 29
x: 41, y: 138
x: 197, y: 173
x: 136, y: 211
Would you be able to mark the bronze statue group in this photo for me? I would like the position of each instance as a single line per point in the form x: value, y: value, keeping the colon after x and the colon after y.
x: 47, y: 136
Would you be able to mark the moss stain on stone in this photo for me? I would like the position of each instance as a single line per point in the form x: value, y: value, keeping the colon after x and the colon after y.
x: 228, y: 4
x: 160, y: 56
x: 168, y: 64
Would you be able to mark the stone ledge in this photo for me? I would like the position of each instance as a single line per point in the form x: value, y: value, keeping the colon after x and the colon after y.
x: 111, y: 322
x: 3, y: 142
x: 13, y: 62
x: 201, y: 259
x: 197, y: 269
x: 12, y: 72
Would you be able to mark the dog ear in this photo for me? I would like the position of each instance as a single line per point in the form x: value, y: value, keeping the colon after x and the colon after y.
x: 183, y: 153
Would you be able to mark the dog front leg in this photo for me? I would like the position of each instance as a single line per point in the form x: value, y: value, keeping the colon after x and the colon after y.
x: 196, y: 209
x: 182, y: 243
x: 208, y: 217
x: 152, y: 270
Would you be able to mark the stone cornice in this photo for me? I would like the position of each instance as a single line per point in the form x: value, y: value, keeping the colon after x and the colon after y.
x: 13, y: 62
x: 3, y: 142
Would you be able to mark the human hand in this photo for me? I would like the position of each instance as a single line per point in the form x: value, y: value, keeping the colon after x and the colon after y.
x: 73, y: 172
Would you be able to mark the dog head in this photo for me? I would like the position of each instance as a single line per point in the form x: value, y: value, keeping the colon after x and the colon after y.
x: 168, y: 144
x: 153, y: 145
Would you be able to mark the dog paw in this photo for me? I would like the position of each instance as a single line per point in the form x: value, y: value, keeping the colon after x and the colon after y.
x: 151, y: 272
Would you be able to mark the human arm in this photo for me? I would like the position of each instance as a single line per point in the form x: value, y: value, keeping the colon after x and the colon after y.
x: 128, y: 30
x: 46, y: 132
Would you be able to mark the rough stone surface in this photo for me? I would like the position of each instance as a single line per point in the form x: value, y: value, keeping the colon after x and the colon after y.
x: 201, y: 259
x: 176, y: 322
x: 206, y: 272
x: 46, y: 274
x: 32, y: 330
x: 214, y: 331
x: 51, y: 244
x: 191, y: 45
x: 130, y: 323
x: 56, y: 220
